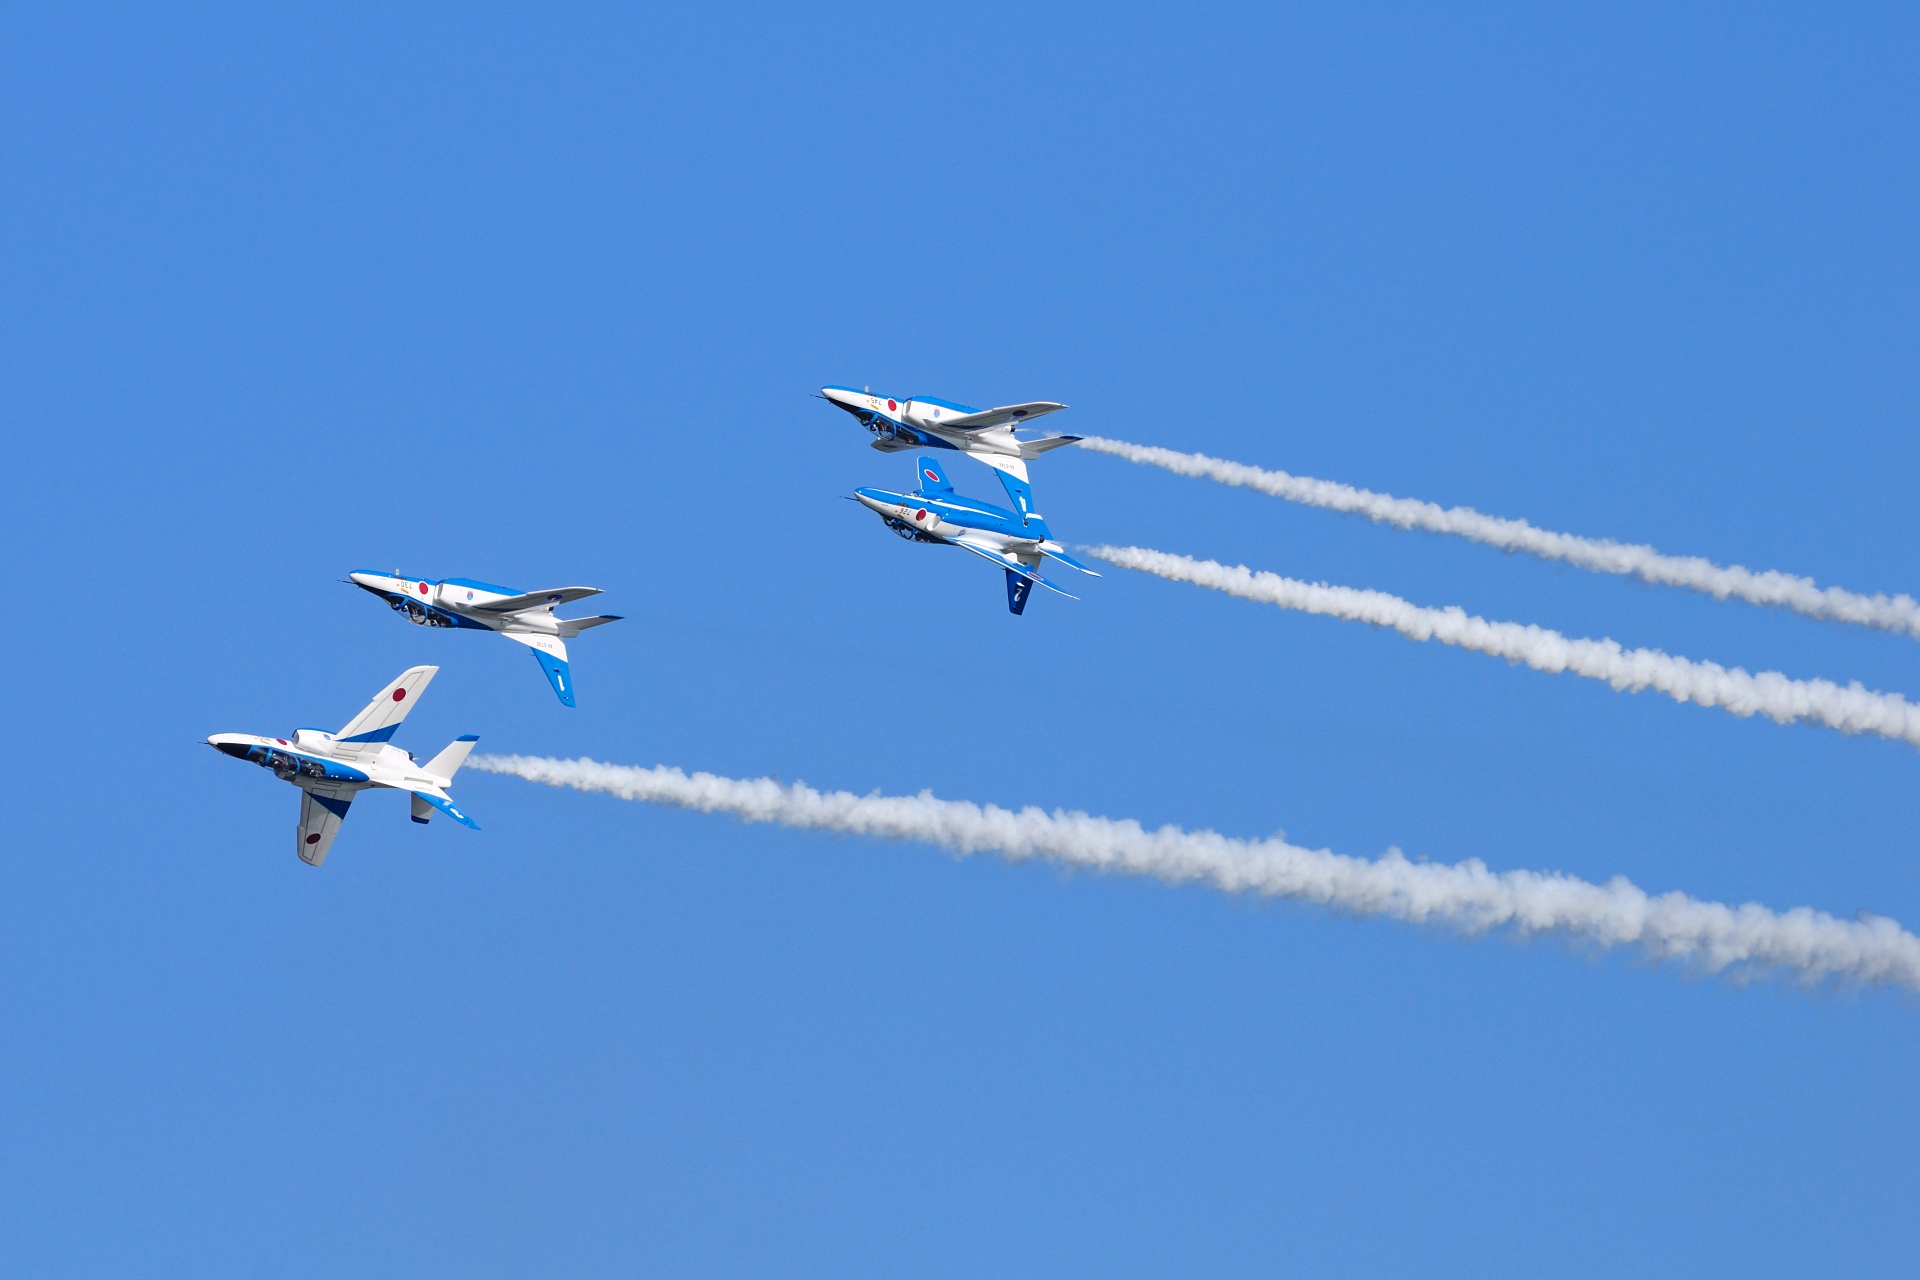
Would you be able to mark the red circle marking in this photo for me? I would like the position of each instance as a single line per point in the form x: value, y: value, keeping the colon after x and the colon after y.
x: 920, y: 515
x: 892, y: 407
x: 399, y: 695
x: 932, y: 475
x: 314, y: 838
x: 423, y: 588
x: 281, y: 741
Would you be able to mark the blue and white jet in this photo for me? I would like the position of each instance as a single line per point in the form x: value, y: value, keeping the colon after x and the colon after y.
x: 522, y: 616
x: 1015, y: 541
x: 926, y: 423
x: 331, y: 768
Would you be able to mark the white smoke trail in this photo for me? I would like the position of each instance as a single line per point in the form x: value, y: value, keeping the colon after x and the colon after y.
x: 1769, y: 587
x: 1851, y: 709
x: 1466, y: 897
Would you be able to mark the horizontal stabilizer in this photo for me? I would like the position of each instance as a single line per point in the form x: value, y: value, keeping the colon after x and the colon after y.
x: 1066, y: 559
x: 448, y: 762
x: 536, y: 599
x: 446, y: 806
x: 1034, y: 448
x: 571, y: 627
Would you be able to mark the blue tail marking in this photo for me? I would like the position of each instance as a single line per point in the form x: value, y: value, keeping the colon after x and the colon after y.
x: 558, y: 674
x: 1019, y: 587
x: 446, y: 807
x: 1021, y: 494
x: 933, y: 478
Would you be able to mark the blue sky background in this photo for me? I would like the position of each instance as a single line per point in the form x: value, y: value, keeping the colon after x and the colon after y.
x: 539, y: 298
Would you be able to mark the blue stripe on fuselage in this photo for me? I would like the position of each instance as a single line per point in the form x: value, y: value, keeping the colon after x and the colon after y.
x: 336, y: 772
x: 966, y: 512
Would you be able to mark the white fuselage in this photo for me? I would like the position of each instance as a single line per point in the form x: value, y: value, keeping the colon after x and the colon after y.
x: 466, y: 601
x: 924, y: 516
x: 314, y: 759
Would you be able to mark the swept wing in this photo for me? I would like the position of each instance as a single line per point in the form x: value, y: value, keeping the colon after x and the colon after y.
x: 322, y: 809
x: 384, y: 714
x: 536, y: 600
x: 1003, y: 416
x: 1010, y: 564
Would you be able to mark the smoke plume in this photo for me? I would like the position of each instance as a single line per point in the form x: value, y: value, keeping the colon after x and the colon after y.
x: 1852, y: 708
x: 1769, y: 587
x: 1742, y: 941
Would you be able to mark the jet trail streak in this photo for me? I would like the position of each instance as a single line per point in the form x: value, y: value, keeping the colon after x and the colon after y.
x: 1601, y: 555
x: 1466, y: 897
x: 1851, y: 709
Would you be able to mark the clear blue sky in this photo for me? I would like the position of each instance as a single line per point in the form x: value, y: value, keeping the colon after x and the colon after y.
x: 539, y: 298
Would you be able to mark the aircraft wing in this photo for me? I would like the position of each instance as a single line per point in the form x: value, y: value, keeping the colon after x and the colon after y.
x: 384, y: 714
x: 1005, y: 415
x: 322, y: 809
x: 1011, y: 565
x: 535, y: 600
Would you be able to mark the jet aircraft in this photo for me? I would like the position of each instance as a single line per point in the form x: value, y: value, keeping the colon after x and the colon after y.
x: 1014, y: 541
x: 926, y: 423
x: 522, y: 616
x: 331, y: 768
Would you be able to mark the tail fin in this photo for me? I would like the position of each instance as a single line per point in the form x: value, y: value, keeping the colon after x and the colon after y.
x: 388, y: 708
x: 559, y: 675
x: 551, y: 653
x: 933, y: 477
x: 1019, y: 587
x: 448, y: 762
x: 1022, y: 494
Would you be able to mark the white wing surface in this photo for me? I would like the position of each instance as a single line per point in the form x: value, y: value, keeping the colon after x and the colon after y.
x: 1008, y: 414
x: 536, y: 600
x: 322, y: 809
x: 1006, y: 561
x: 388, y: 708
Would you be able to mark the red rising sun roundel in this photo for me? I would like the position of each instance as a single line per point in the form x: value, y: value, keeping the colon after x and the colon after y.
x: 314, y: 838
x: 920, y: 514
x: 892, y: 407
x: 399, y: 695
x: 423, y: 588
x: 932, y: 475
